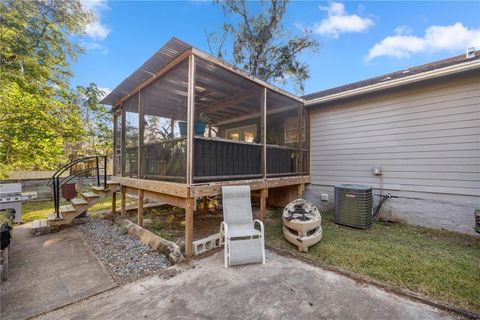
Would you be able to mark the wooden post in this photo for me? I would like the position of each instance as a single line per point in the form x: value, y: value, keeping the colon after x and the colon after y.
x: 189, y: 207
x: 141, y: 129
x: 300, y: 138
x: 114, y: 203
x: 114, y: 149
x: 300, y: 190
x: 140, y: 208
x: 307, y: 140
x: 123, y: 204
x: 190, y: 117
x: 205, y: 205
x: 263, y: 203
x: 264, y: 131
x: 122, y: 149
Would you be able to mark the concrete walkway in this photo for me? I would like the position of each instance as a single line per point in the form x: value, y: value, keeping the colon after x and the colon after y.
x: 49, y: 271
x: 282, y: 289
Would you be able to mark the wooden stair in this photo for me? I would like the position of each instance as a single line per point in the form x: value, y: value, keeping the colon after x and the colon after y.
x: 76, y: 207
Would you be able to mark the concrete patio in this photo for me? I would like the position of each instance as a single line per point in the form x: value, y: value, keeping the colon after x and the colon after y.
x: 282, y: 289
x: 49, y: 271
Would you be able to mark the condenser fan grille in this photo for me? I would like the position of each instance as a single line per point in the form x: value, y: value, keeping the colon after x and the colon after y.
x: 353, y: 205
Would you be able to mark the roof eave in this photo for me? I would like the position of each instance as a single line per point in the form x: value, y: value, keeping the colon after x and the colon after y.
x: 450, y: 70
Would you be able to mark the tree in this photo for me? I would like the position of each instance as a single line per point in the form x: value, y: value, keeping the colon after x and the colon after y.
x: 261, y: 46
x: 33, y: 132
x: 39, y: 114
x: 96, y: 122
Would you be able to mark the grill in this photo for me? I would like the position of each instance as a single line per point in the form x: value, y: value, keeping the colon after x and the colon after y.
x: 11, y: 198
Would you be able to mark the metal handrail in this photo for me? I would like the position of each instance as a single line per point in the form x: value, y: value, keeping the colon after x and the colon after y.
x: 70, y: 164
x: 66, y: 179
x: 57, y: 183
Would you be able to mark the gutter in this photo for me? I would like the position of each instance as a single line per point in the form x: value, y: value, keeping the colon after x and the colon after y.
x: 450, y: 70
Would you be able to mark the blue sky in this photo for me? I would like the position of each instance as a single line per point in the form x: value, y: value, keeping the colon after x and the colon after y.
x: 358, y: 39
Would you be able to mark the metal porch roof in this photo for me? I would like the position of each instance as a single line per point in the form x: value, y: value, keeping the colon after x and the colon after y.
x: 168, y: 52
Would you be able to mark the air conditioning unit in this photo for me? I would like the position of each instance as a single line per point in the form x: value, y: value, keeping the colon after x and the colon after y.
x: 354, y: 205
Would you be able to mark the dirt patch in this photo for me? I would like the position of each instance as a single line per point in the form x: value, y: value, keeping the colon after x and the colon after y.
x: 168, y: 222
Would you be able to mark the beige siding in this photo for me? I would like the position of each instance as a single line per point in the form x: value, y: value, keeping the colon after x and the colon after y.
x: 426, y: 139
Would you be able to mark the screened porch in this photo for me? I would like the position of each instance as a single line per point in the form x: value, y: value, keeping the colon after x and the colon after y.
x: 235, y: 126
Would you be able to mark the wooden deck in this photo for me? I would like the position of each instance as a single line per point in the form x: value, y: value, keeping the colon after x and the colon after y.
x: 184, y: 196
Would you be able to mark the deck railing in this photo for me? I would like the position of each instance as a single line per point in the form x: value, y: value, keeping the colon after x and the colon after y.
x: 215, y: 159
x: 165, y: 160
x: 221, y: 159
x: 282, y: 161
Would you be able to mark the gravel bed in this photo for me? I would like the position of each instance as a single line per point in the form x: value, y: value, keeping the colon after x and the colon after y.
x: 124, y: 257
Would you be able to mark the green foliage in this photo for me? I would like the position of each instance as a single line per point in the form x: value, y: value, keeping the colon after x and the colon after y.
x: 96, y: 121
x: 437, y: 263
x: 41, y: 117
x: 33, y: 129
x: 36, y: 44
x: 261, y: 46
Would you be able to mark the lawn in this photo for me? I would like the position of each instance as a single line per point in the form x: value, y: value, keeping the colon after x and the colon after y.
x: 440, y: 264
x: 34, y: 210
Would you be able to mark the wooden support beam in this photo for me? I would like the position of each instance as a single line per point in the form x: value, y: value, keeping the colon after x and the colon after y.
x: 300, y: 190
x: 140, y: 208
x: 123, y: 203
x: 122, y: 146
x: 170, y: 188
x: 263, y: 203
x: 215, y: 188
x: 256, y: 115
x: 264, y: 132
x: 165, y: 198
x: 114, y: 147
x: 189, y: 207
x: 114, y: 204
x: 300, y: 136
x: 231, y: 101
x: 243, y: 74
x: 190, y: 117
x: 141, y: 128
x: 205, y: 205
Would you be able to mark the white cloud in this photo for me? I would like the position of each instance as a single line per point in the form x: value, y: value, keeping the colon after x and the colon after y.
x: 437, y: 38
x: 89, y: 45
x: 106, y: 91
x: 338, y: 21
x: 97, y: 30
x: 404, y: 30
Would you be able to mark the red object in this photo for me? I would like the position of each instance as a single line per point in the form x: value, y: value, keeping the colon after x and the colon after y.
x: 69, y: 191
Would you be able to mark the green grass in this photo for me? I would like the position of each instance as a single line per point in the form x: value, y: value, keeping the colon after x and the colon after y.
x: 41, y: 209
x: 440, y: 264
x: 36, y: 210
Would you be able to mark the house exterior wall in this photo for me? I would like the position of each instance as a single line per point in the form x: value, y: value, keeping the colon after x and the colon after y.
x: 426, y: 139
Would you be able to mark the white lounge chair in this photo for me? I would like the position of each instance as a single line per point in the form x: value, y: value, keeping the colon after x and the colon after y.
x: 243, y: 243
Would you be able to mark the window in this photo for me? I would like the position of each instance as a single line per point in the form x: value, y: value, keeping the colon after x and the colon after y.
x: 247, y: 134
